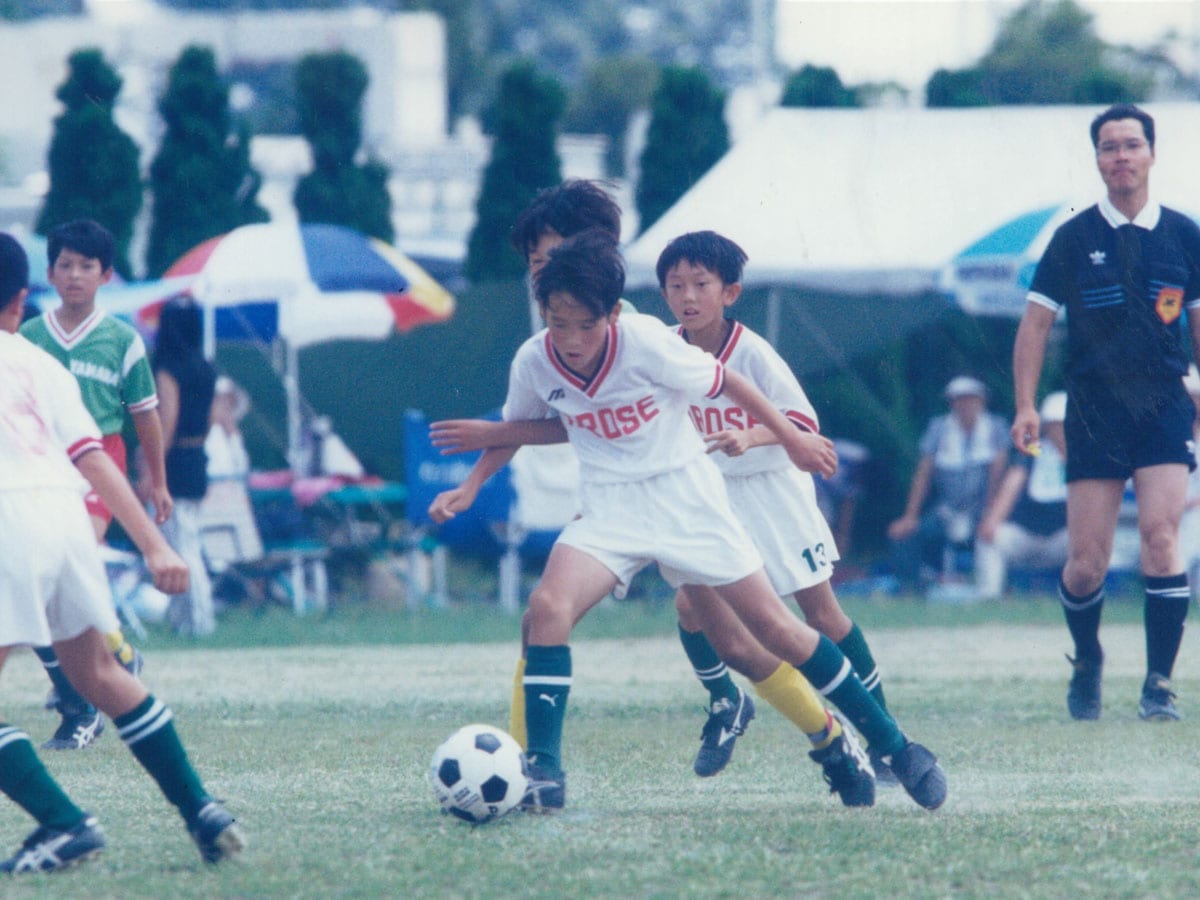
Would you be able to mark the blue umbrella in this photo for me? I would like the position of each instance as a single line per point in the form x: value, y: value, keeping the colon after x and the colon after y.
x: 992, y: 276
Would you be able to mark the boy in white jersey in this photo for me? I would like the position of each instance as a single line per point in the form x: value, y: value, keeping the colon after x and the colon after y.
x: 53, y: 590
x: 700, y: 276
x: 554, y: 215
x: 621, y: 386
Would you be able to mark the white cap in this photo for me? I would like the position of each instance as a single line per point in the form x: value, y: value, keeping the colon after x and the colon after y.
x: 1054, y: 407
x: 1191, y: 380
x: 965, y: 386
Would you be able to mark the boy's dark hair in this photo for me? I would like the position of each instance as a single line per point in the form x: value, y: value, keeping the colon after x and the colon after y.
x: 587, y: 266
x: 714, y: 252
x: 1123, y: 111
x: 83, y: 236
x: 573, y: 206
x: 14, y: 269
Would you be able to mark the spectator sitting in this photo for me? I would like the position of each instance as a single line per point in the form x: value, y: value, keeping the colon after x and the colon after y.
x: 1026, y: 522
x: 327, y: 454
x: 962, y: 457
x: 228, y: 528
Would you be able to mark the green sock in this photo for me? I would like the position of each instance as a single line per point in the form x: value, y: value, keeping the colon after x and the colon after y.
x: 150, y: 735
x: 547, y: 686
x: 832, y: 675
x: 25, y: 780
x: 70, y: 701
x: 854, y: 647
x: 708, y: 666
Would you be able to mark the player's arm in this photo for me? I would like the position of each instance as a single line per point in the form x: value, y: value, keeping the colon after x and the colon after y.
x: 918, y: 491
x: 150, y: 436
x: 809, y: 452
x: 170, y: 573
x: 1029, y: 354
x: 448, y: 504
x: 464, y: 435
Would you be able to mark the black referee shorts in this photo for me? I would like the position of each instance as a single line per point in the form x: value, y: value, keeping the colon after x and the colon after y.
x: 1107, y: 438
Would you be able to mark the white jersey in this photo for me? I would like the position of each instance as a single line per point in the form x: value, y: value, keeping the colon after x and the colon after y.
x: 629, y: 421
x: 44, y: 426
x: 750, y: 355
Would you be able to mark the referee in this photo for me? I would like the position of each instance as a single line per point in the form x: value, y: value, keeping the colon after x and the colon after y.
x: 1124, y: 270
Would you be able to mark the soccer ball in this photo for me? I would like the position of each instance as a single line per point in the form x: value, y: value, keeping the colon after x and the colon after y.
x: 478, y: 774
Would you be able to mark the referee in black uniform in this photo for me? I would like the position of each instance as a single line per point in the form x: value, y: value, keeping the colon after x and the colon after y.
x: 1124, y: 270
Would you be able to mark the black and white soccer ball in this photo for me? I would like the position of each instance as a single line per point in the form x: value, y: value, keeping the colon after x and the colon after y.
x: 478, y: 773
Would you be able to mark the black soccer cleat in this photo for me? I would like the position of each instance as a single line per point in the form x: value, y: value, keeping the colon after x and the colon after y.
x: 727, y: 721
x: 1083, y: 693
x: 49, y: 849
x: 847, y: 769
x: 546, y: 791
x: 918, y: 771
x: 76, y: 731
x: 216, y: 833
x: 1158, y: 700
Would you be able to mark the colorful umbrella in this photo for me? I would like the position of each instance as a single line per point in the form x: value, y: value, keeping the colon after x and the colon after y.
x: 308, y: 284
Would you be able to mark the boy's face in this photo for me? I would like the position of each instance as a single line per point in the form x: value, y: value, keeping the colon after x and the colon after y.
x: 575, y: 331
x: 77, y: 277
x: 540, y: 254
x: 697, y: 295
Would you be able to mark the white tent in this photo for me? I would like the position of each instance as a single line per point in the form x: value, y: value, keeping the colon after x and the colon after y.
x: 876, y: 201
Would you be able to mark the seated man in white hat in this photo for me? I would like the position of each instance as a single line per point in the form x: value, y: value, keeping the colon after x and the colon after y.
x: 1026, y: 522
x: 963, y: 455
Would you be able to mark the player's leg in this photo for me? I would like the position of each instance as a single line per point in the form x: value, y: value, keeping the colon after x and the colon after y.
x: 571, y: 584
x: 80, y: 722
x: 1161, y: 495
x: 145, y: 725
x: 65, y: 833
x: 828, y: 670
x: 780, y: 684
x: 1092, y: 508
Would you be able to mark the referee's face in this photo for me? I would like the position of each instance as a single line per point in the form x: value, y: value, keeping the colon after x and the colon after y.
x: 1124, y: 157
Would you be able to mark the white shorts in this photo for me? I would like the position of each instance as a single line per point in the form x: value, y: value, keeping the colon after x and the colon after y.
x: 680, y: 519
x: 52, y: 583
x: 779, y: 509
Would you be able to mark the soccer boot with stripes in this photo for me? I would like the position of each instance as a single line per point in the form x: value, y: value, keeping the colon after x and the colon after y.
x: 727, y: 721
x: 847, y: 769
x: 546, y: 791
x: 76, y: 731
x: 48, y: 849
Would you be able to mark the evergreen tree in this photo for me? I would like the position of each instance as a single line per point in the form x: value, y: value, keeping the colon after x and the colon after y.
x: 817, y: 86
x: 93, y: 164
x: 687, y: 136
x: 524, y: 160
x: 340, y: 190
x: 202, y: 181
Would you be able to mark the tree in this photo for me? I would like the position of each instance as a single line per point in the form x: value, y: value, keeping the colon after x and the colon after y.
x: 687, y: 136
x: 93, y: 164
x: 817, y: 86
x: 524, y: 121
x: 340, y: 190
x: 201, y: 178
x: 613, y: 89
x: 1045, y: 52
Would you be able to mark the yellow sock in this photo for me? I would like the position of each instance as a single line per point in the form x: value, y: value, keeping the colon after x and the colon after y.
x: 119, y: 647
x: 790, y: 693
x: 516, y: 721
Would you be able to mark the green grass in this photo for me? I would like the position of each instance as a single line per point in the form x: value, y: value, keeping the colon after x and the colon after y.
x: 317, y: 732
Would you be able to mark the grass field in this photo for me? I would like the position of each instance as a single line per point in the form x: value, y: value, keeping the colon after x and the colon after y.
x: 317, y: 733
